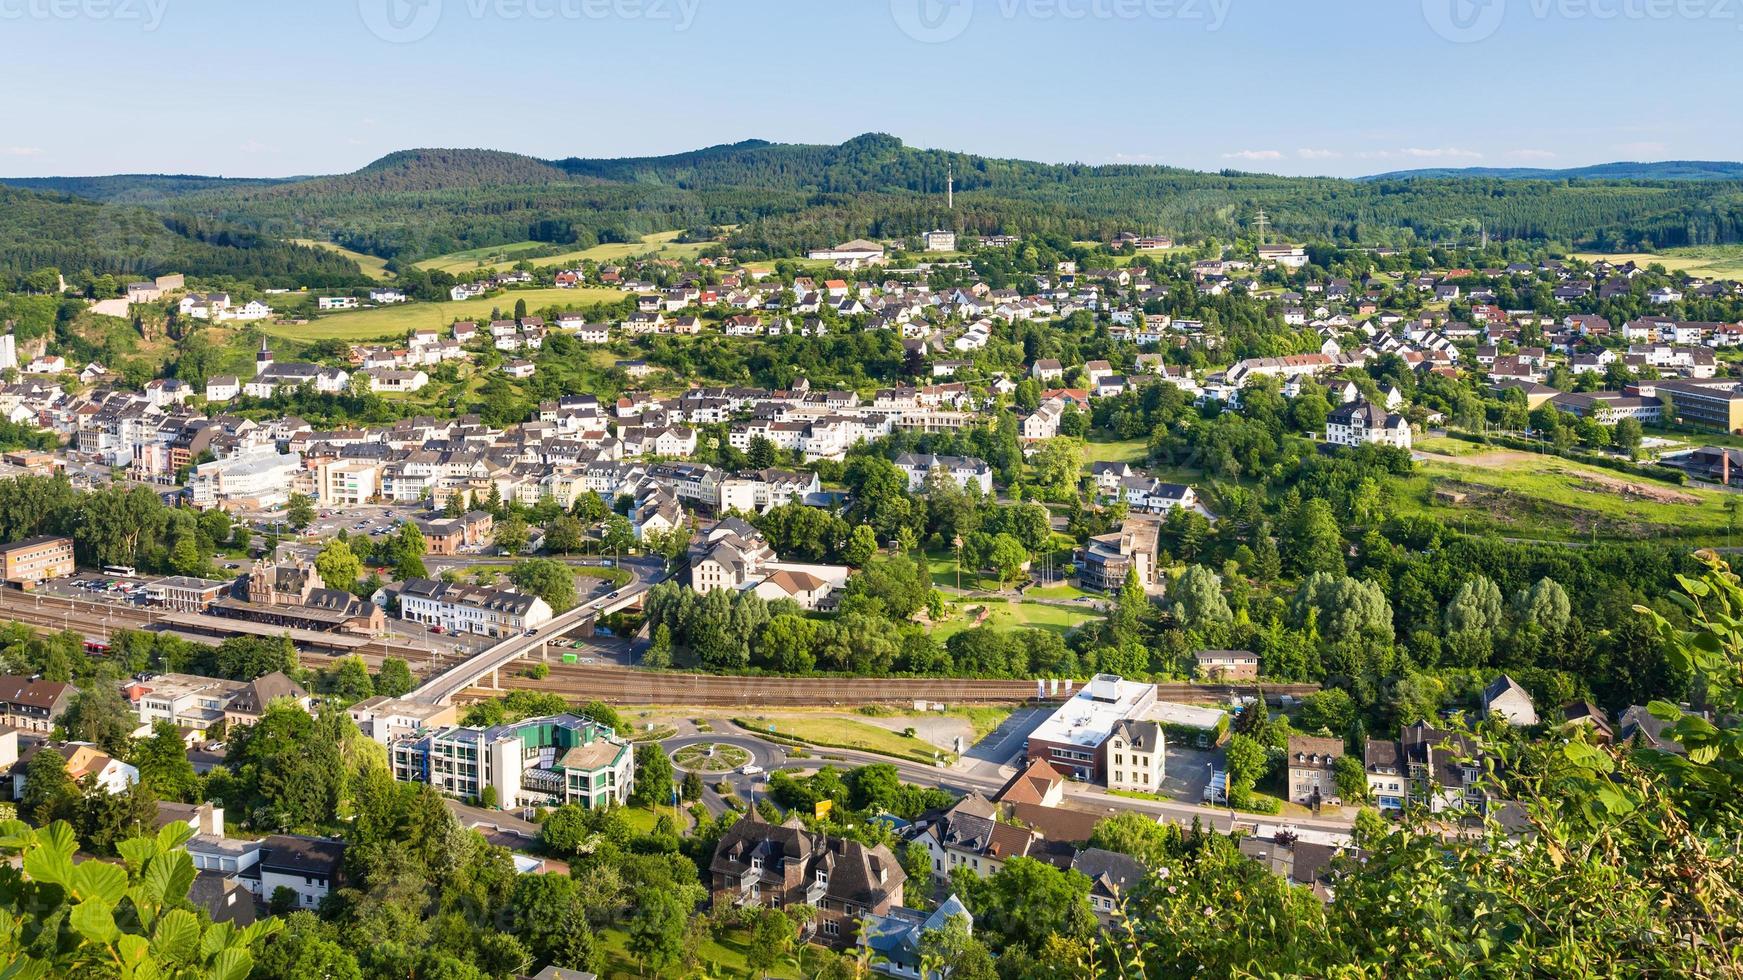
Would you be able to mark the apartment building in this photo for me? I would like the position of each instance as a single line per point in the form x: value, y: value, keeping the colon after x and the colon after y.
x: 471, y: 609
x: 758, y: 863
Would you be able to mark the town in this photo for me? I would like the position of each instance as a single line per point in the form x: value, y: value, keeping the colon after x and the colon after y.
x: 941, y: 641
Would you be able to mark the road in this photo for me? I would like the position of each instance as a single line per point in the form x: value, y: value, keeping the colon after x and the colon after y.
x: 1081, y: 796
x: 445, y: 686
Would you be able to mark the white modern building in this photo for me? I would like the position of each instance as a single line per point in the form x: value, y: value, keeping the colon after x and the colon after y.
x: 549, y: 761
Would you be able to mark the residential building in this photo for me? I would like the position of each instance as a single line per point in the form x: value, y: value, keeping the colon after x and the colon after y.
x: 310, y: 867
x: 758, y: 863
x: 471, y: 609
x: 1227, y: 665
x: 1311, y: 769
x: 1504, y: 698
x: 940, y: 241
x: 550, y: 761
x: 386, y: 719
x: 31, y: 704
x: 897, y: 939
x: 969, y: 835
x: 963, y: 470
x: 1136, y: 751
x: 1109, y: 558
x: 1361, y: 422
x: 1112, y: 877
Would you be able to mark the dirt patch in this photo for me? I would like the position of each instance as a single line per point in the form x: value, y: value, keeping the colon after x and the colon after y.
x: 1528, y: 516
x: 1633, y: 490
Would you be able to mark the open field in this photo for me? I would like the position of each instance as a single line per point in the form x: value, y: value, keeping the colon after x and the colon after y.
x: 393, y: 322
x: 499, y: 257
x: 1708, y: 261
x: 373, y: 266
x: 1015, y: 615
x: 1133, y: 451
x: 1525, y: 496
x: 834, y: 731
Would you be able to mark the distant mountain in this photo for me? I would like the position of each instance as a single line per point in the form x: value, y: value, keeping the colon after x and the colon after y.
x: 1666, y: 170
x: 782, y: 198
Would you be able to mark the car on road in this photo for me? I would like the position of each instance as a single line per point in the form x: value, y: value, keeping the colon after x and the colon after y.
x: 588, y: 661
x: 751, y: 770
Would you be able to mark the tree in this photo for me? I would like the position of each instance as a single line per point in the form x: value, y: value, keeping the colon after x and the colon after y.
x: 564, y: 535
x: 338, y: 566
x: 616, y: 534
x: 394, y: 679
x: 49, y: 793
x: 162, y: 761
x: 1351, y: 778
x: 1313, y: 542
x: 657, y: 930
x: 1198, y: 599
x: 350, y: 681
x: 546, y: 914
x: 1546, y: 606
x: 300, y: 511
x: 862, y: 544
x: 408, y: 548
x: 1028, y: 902
x: 1475, y: 607
x: 653, y: 775
x: 1246, y: 760
x: 124, y: 920
x: 550, y: 580
x: 957, y: 953
x: 772, y: 935
x: 691, y: 789
x: 1330, y: 709
x: 1008, y: 557
x: 512, y: 535
x: 1628, y: 435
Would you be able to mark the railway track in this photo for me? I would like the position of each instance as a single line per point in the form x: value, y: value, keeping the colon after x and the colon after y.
x: 623, y: 685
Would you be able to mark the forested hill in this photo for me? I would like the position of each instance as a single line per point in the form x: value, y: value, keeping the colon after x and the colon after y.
x: 1666, y: 170
x: 80, y: 236
x: 785, y: 198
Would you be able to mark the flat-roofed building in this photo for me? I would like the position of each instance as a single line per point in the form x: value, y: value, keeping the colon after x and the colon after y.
x: 1074, y: 740
x: 1712, y: 405
x: 537, y: 762
x: 36, y: 560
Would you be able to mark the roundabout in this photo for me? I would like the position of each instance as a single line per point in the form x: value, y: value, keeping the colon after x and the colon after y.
x: 710, y: 758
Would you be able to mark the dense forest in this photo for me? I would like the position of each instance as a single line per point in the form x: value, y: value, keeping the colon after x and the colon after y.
x: 85, y: 239
x: 783, y: 198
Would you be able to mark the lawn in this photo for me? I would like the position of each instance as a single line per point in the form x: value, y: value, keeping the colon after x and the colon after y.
x: 495, y: 258
x: 1133, y: 451
x: 711, y: 758
x: 1545, y: 497
x: 373, y: 266
x: 394, y: 322
x: 1708, y: 261
x: 1015, y: 615
x: 830, y: 731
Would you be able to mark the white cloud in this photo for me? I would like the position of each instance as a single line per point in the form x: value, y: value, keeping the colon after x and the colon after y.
x: 1254, y: 155
x: 1527, y: 154
x: 1137, y: 158
x: 1310, y: 154
x: 1441, y: 153
x: 21, y: 151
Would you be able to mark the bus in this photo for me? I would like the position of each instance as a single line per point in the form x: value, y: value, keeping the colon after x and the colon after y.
x: 121, y: 571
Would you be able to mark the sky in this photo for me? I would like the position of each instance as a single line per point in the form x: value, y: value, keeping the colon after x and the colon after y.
x: 1341, y: 87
